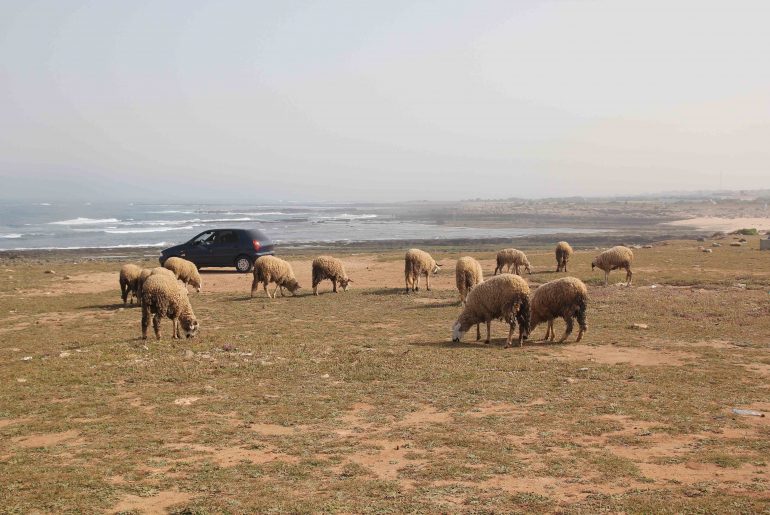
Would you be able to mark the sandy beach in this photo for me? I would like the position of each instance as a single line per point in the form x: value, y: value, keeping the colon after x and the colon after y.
x: 715, y: 224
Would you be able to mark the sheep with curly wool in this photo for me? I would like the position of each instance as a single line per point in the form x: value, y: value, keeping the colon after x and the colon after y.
x: 270, y: 269
x: 185, y: 271
x: 147, y: 272
x: 504, y: 297
x: 565, y: 298
x: 163, y: 296
x: 129, y: 274
x: 331, y: 268
x: 512, y: 259
x: 612, y: 259
x: 563, y: 253
x: 468, y: 274
x: 418, y: 262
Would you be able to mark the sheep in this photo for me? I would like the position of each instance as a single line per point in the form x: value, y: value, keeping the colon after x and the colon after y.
x: 327, y: 267
x: 269, y: 269
x: 417, y: 262
x: 147, y: 272
x: 566, y: 298
x: 563, y: 253
x: 612, y: 259
x: 163, y: 296
x: 468, y: 274
x: 512, y: 258
x: 505, y: 297
x: 129, y: 274
x: 185, y: 271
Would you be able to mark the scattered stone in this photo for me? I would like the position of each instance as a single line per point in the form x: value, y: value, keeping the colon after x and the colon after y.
x: 647, y: 247
x: 50, y: 272
x: 27, y: 358
x: 584, y: 369
x: 185, y: 401
x: 209, y: 389
x: 708, y: 251
x: 701, y: 239
x: 639, y: 326
x: 743, y: 240
x: 188, y: 354
x: 228, y: 347
x: 64, y: 354
x: 66, y: 277
x: 21, y: 380
x: 715, y: 244
x: 325, y: 376
x: 736, y: 244
x: 748, y: 412
x: 571, y: 380
x: 740, y: 286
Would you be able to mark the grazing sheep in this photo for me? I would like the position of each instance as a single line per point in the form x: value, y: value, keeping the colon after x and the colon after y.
x: 566, y: 298
x: 128, y: 276
x: 505, y: 297
x: 612, y: 259
x: 563, y: 253
x: 185, y: 271
x: 163, y: 296
x: 269, y: 269
x: 468, y: 274
x: 416, y: 263
x: 512, y: 258
x: 147, y: 272
x: 327, y: 267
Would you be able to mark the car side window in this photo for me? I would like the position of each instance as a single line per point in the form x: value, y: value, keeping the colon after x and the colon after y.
x: 207, y: 237
x: 227, y: 237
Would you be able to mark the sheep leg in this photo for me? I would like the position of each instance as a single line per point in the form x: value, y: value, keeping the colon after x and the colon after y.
x: 254, y: 287
x: 334, y: 285
x: 509, y: 340
x: 629, y: 275
x: 427, y: 281
x: 550, y: 333
x: 282, y: 295
x: 156, y: 325
x: 264, y: 285
x: 416, y: 282
x: 123, y: 292
x: 175, y: 323
x: 606, y: 278
x: 568, y: 330
x: 145, y: 320
x: 478, y: 332
x: 580, y: 335
x: 489, y: 330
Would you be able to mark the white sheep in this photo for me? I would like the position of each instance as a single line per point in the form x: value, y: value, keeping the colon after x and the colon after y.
x: 565, y: 298
x: 468, y: 274
x: 418, y: 262
x: 612, y: 259
x: 185, y: 271
x: 512, y: 259
x: 563, y: 253
x: 163, y: 296
x: 328, y: 267
x: 504, y: 297
x: 270, y: 269
x: 129, y: 274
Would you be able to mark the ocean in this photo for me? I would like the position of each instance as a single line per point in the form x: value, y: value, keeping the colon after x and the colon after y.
x: 70, y: 225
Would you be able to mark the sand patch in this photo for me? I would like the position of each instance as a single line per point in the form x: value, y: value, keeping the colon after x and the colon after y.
x: 156, y: 504
x: 714, y: 223
x: 613, y: 355
x: 46, y: 440
x: 426, y: 415
x: 11, y: 421
x: 385, y: 459
x: 231, y: 456
x: 274, y: 429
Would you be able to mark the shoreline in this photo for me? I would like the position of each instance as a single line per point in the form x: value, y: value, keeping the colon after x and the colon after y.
x: 577, y: 240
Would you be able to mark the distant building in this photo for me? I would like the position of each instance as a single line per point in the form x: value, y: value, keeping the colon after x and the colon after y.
x: 764, y: 244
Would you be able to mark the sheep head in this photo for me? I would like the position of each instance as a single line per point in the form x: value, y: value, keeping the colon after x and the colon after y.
x: 190, y: 326
x: 292, y: 285
x: 344, y: 283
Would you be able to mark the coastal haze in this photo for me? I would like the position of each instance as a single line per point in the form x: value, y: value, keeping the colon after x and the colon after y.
x: 357, y: 101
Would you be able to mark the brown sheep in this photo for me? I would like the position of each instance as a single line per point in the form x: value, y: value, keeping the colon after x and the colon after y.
x: 327, y: 267
x: 129, y: 274
x: 504, y: 297
x: 565, y: 298
x: 468, y: 274
x: 185, y: 271
x: 512, y: 259
x: 418, y: 262
x: 563, y: 253
x: 612, y: 259
x: 163, y: 296
x: 270, y: 269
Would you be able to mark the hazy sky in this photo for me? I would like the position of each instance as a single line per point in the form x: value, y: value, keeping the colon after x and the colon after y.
x: 387, y: 100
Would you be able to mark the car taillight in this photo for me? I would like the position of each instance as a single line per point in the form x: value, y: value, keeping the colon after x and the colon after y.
x: 257, y: 245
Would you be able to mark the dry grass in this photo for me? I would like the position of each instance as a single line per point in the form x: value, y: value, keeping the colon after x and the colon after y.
x: 358, y: 402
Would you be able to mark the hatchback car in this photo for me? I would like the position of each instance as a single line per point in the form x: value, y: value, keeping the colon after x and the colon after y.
x: 222, y: 248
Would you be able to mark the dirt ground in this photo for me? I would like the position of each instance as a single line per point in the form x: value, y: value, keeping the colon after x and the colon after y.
x: 358, y: 402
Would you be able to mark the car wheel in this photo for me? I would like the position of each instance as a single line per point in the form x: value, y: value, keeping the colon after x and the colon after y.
x: 243, y: 264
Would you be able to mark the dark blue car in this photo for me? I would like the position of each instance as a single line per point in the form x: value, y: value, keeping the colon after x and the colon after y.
x: 222, y: 248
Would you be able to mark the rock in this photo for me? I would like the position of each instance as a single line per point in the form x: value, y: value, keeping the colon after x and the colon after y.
x: 647, y: 247
x: 64, y: 354
x: 228, y: 347
x: 66, y: 277
x: 188, y: 354
x: 185, y: 401
x: 701, y: 239
x: 21, y: 380
x: 50, y: 272
x: 639, y: 326
x: 325, y: 376
x: 27, y: 358
x: 715, y: 244
x: 736, y: 244
x: 209, y: 389
x: 708, y: 251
